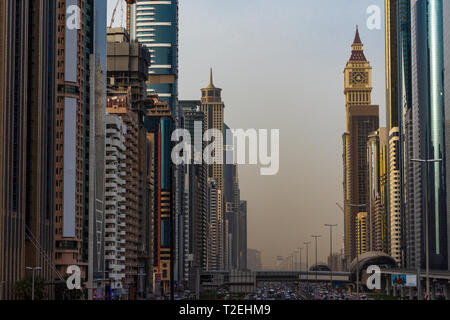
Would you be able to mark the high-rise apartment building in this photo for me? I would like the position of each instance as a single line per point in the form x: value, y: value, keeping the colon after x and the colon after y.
x: 115, y: 203
x: 120, y: 105
x: 213, y: 238
x: 362, y: 235
x: 195, y: 209
x: 395, y: 221
x: 128, y: 62
x: 361, y: 120
x: 378, y: 210
x: 72, y: 134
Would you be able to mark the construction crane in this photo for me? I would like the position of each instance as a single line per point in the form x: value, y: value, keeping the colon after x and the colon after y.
x: 113, y: 17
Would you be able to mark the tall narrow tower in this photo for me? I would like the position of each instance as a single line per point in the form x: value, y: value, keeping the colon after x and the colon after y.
x: 212, y: 106
x: 361, y: 120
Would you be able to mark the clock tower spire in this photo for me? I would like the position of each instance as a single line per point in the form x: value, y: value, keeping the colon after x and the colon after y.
x: 358, y: 76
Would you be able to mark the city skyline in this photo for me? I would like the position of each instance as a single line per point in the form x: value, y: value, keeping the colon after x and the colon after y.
x: 136, y: 162
x: 261, y: 62
x: 227, y: 51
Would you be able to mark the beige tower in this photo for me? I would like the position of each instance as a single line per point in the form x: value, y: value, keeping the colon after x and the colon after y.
x: 361, y: 120
x: 212, y: 106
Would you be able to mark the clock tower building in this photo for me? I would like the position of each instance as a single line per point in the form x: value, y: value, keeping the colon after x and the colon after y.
x: 362, y: 119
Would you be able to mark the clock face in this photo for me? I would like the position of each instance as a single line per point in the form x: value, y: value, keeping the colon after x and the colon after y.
x: 359, y: 77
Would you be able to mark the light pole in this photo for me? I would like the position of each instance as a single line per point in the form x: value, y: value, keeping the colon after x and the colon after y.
x: 427, y: 253
x: 331, y: 250
x: 315, y: 237
x: 307, y: 264
x: 293, y: 261
x: 357, y: 255
x: 32, y: 285
x: 300, y: 258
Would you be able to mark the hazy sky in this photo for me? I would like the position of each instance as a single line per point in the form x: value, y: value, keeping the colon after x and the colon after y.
x: 280, y: 65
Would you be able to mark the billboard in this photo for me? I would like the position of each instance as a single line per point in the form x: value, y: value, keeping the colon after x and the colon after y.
x: 404, y: 280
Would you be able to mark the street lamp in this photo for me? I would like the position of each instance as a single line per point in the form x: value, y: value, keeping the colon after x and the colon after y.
x: 300, y: 258
x: 427, y: 253
x: 32, y: 286
x: 315, y: 237
x: 307, y: 264
x: 331, y: 250
x: 357, y: 255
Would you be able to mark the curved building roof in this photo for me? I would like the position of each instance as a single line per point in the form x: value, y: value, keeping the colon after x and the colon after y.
x: 372, y: 258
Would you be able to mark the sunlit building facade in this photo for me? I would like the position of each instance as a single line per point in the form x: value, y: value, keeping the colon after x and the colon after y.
x: 362, y: 235
x: 361, y: 120
x: 378, y: 210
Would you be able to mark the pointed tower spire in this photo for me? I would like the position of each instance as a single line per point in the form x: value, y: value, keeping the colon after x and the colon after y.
x: 357, y: 38
x: 211, y: 77
x: 211, y: 84
x: 357, y: 48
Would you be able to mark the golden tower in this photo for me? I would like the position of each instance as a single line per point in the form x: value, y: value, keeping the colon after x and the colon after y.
x: 361, y: 120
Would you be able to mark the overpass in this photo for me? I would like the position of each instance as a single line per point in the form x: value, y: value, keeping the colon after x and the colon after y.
x: 245, y: 281
x: 302, y: 276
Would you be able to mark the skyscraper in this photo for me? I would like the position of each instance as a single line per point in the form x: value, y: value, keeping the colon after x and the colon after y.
x: 361, y: 120
x: 72, y: 138
x: 196, y: 209
x: 362, y: 236
x: 159, y: 123
x: 377, y: 223
x: 27, y: 108
x: 446, y: 17
x: 242, y: 265
x: 394, y: 183
x: 115, y: 204
x: 94, y: 219
x: 213, y: 238
x: 212, y: 106
x: 394, y: 114
x: 429, y: 121
x: 127, y: 65
x: 409, y: 210
x: 155, y: 25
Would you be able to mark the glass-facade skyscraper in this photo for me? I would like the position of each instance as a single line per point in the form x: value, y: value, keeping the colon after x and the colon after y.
x: 155, y: 25
x: 446, y: 17
x: 428, y: 106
